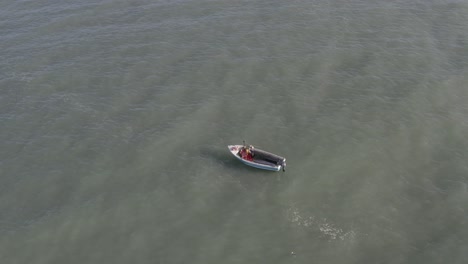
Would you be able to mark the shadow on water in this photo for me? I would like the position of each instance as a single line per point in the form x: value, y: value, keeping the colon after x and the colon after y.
x: 220, y: 156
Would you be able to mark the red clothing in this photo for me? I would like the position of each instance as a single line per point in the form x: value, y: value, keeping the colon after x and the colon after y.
x: 246, y: 155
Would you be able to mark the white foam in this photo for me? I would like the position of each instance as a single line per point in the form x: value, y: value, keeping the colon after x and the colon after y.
x: 323, y: 225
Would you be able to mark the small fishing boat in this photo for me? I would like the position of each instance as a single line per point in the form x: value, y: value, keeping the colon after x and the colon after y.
x: 258, y: 158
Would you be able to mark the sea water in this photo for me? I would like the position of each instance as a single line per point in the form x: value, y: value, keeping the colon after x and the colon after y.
x: 115, y: 118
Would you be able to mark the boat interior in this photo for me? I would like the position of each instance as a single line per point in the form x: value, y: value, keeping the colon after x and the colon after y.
x: 267, y: 158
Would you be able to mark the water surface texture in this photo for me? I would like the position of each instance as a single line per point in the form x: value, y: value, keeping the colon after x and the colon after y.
x: 115, y: 118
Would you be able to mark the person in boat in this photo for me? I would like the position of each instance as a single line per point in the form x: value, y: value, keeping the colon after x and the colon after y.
x: 246, y: 153
x: 251, y: 151
x: 241, y: 151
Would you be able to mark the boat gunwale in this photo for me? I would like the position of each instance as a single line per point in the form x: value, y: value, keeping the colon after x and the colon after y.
x: 261, y: 165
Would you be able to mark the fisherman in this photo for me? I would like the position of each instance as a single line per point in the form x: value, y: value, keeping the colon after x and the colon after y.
x: 251, y: 150
x: 241, y: 151
x: 246, y: 153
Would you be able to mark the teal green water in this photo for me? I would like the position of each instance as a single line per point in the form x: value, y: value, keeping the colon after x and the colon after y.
x: 115, y: 118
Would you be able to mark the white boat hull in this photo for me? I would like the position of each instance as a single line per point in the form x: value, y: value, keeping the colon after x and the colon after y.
x: 259, y: 164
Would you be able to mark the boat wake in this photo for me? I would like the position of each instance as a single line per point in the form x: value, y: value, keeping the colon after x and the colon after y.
x: 322, y: 225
